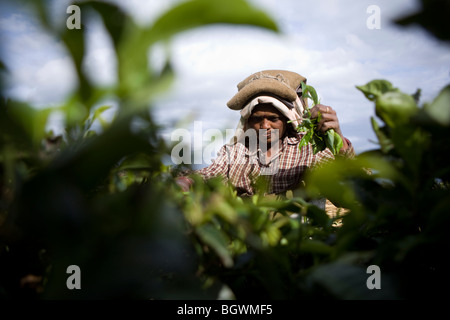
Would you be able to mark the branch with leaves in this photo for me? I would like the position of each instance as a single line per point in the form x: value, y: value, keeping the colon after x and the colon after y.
x: 319, y: 140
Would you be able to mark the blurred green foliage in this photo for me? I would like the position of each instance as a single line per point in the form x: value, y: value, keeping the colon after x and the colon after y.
x: 432, y: 16
x: 106, y: 202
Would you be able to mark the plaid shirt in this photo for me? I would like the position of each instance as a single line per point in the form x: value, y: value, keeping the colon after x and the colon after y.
x: 285, y: 171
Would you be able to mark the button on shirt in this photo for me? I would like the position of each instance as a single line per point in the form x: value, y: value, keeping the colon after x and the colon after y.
x: 284, y: 171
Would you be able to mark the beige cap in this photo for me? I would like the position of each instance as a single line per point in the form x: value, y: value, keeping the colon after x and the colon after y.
x: 281, y: 83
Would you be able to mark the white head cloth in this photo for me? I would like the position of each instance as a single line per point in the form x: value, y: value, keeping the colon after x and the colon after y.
x: 293, y: 115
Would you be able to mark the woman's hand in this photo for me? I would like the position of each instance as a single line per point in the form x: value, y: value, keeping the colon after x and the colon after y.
x: 329, y: 120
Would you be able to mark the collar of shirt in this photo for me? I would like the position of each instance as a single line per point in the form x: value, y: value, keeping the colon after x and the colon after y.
x: 286, y: 141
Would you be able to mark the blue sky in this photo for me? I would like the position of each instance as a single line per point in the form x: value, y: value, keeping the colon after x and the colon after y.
x: 327, y: 41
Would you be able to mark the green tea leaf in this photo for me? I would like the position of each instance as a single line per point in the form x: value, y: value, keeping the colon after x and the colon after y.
x: 114, y: 18
x: 306, y: 139
x: 333, y: 141
x: 318, y: 140
x: 439, y: 109
x: 315, y: 247
x: 395, y: 108
x: 98, y: 115
x: 330, y: 140
x: 32, y: 120
x: 195, y: 13
x: 308, y: 92
x: 373, y: 89
x: 218, y: 242
x: 313, y: 94
x: 74, y: 41
x: 385, y: 143
x: 338, y: 142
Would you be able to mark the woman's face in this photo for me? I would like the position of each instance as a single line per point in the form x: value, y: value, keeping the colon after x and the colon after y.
x: 266, y: 117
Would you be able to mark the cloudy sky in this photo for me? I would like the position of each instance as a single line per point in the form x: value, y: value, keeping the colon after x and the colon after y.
x: 327, y: 41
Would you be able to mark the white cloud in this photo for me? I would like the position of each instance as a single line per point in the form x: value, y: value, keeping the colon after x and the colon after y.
x: 45, y: 84
x: 58, y: 79
x: 14, y: 23
x: 39, y: 71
